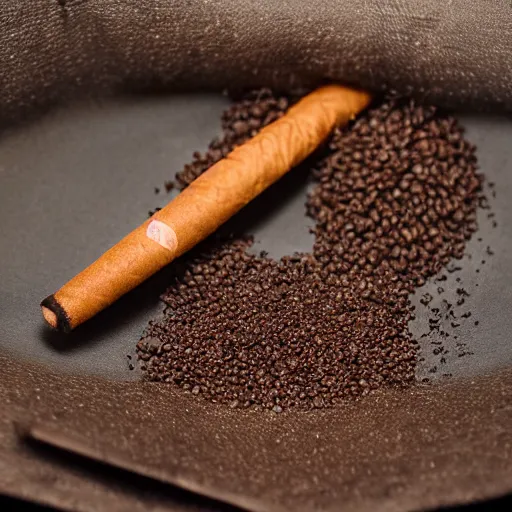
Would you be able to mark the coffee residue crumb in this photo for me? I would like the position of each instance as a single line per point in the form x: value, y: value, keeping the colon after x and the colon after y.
x: 152, y: 212
x: 395, y: 200
x: 426, y: 299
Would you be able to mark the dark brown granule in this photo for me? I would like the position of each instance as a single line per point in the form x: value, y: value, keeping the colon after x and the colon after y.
x: 426, y: 299
x: 152, y: 212
x: 395, y: 200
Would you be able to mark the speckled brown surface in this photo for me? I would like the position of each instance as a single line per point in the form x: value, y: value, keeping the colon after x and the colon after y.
x: 451, y: 52
x: 392, y: 451
x: 49, y: 477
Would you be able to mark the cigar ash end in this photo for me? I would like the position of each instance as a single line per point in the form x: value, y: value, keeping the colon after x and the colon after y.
x: 55, y: 315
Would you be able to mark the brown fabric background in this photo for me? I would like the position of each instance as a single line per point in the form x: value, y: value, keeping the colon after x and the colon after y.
x: 392, y: 451
x: 449, y: 52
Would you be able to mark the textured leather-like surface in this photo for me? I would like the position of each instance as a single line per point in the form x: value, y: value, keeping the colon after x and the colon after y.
x: 450, y: 52
x: 391, y: 452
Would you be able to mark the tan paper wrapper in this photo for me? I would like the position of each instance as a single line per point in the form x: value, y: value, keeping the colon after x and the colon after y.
x: 205, y: 205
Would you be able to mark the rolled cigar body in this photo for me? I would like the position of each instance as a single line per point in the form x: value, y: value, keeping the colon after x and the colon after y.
x: 204, y: 205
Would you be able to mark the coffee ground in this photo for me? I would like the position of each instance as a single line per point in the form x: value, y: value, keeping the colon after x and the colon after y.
x: 395, y: 199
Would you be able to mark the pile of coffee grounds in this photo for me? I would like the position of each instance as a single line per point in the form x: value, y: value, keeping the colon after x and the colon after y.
x: 397, y: 196
x: 395, y: 199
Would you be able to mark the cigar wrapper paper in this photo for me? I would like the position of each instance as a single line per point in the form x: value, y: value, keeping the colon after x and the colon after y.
x: 205, y: 205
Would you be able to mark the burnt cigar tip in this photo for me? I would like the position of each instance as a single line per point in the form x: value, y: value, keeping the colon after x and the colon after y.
x: 55, y: 315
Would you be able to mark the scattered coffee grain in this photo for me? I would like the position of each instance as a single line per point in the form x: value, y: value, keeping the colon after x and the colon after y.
x: 395, y: 200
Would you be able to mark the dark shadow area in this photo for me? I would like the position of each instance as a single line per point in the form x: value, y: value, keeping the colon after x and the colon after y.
x: 501, y: 503
x: 8, y: 503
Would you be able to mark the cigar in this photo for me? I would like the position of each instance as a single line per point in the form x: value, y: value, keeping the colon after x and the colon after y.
x: 204, y: 205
